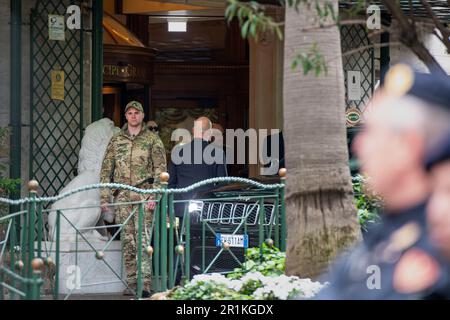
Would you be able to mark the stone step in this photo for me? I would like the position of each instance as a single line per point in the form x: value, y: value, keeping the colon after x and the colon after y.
x: 81, y: 273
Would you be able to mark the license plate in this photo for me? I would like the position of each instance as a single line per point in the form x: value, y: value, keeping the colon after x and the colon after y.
x: 234, y: 240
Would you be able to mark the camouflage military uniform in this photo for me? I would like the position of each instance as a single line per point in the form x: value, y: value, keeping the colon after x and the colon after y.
x: 131, y: 160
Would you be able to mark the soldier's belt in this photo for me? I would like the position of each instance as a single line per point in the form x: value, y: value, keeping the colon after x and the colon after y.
x: 148, y: 180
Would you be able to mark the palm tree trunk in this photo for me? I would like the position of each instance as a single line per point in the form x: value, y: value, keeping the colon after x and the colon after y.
x: 321, y: 216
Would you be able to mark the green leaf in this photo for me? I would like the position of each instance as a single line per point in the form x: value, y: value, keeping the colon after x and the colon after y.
x: 241, y: 13
x: 294, y: 64
x: 253, y: 30
x: 279, y: 33
x: 333, y: 13
x: 245, y: 29
x: 231, y: 11
x: 319, y: 10
x: 306, y: 64
x: 228, y: 10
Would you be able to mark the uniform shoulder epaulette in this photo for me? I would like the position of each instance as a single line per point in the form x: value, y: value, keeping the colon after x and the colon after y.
x: 406, y: 236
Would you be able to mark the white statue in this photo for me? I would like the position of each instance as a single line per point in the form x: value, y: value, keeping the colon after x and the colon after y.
x: 92, y: 152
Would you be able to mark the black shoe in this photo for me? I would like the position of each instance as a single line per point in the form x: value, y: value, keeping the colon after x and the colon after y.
x: 128, y: 292
x: 145, y: 294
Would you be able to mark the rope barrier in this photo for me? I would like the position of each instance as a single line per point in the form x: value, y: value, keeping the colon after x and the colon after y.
x: 142, y: 191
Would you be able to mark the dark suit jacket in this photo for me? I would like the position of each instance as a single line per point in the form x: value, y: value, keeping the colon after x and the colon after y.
x: 185, y: 174
x: 278, y: 137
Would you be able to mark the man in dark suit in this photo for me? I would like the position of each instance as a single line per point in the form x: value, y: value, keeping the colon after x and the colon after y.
x: 195, y: 161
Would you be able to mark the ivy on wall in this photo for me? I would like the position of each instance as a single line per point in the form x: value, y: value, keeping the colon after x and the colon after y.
x: 7, y: 186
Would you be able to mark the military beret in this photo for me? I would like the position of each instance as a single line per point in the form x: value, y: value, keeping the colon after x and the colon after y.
x: 134, y: 104
x: 431, y: 88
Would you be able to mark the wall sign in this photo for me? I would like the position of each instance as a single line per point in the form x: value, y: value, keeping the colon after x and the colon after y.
x: 353, y: 116
x: 57, y: 87
x: 56, y: 27
x: 354, y: 85
x: 128, y: 64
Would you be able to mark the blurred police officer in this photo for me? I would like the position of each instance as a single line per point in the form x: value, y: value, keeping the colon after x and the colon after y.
x: 438, y: 209
x: 398, y: 260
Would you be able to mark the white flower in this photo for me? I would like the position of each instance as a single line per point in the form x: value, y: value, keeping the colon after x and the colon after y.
x: 214, y: 277
x: 308, y: 288
x: 235, y: 285
x: 271, y: 287
x: 283, y: 287
x: 255, y: 276
x: 281, y: 293
x: 259, y: 293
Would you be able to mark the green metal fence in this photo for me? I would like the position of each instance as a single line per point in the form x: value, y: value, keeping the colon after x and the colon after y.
x: 20, y: 267
x: 355, y: 37
x: 31, y: 260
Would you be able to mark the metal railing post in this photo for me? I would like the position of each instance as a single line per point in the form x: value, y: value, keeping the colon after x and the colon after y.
x: 157, y: 251
x: 22, y: 244
x: 282, y: 174
x: 139, y: 250
x: 187, y: 257
x: 277, y: 218
x: 163, y: 261
x: 203, y: 243
x: 35, y: 282
x: 57, y: 249
x: 261, y: 215
x: 172, y: 225
x: 40, y: 226
x: 12, y: 250
x: 33, y: 186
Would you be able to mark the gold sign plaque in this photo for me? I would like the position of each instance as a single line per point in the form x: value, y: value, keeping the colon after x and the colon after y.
x: 128, y: 64
x: 57, y: 89
x: 124, y: 73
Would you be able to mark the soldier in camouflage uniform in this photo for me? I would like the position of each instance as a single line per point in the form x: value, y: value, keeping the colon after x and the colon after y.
x: 133, y: 155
